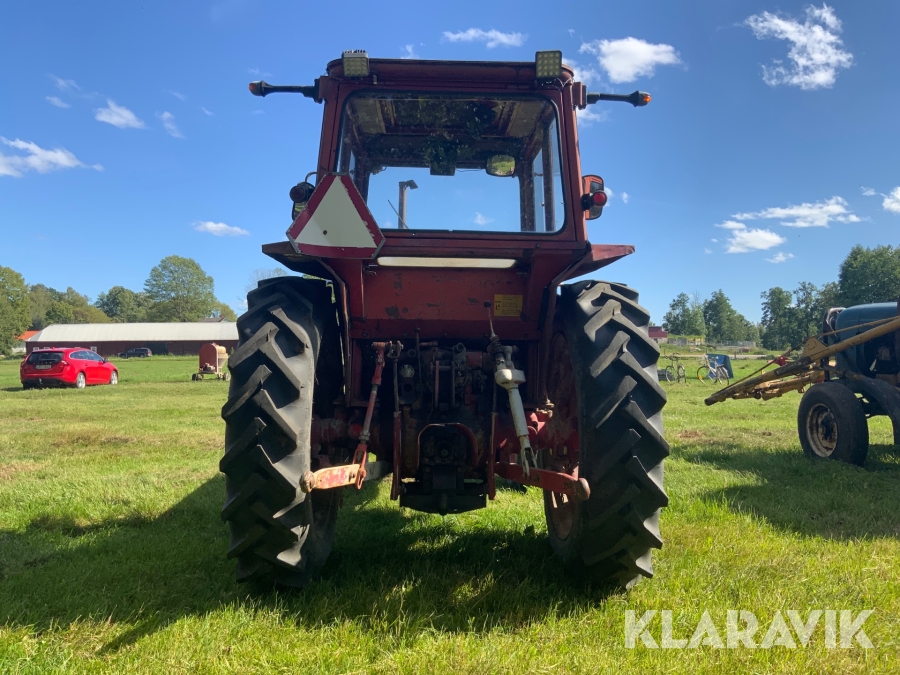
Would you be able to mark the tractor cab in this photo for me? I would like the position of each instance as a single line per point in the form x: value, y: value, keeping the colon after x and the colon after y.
x: 433, y: 338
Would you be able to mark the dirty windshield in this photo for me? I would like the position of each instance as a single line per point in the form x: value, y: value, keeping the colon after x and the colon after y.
x: 441, y: 162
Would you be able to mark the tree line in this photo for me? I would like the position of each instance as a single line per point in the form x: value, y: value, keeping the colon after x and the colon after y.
x: 177, y: 289
x: 790, y: 316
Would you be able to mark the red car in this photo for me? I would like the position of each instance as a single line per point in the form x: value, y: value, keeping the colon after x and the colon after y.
x: 72, y: 366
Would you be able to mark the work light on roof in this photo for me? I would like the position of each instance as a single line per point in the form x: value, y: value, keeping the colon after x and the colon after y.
x: 548, y: 65
x: 356, y: 63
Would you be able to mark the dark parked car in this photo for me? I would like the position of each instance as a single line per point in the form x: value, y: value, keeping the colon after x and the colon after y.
x: 76, y: 367
x: 140, y: 352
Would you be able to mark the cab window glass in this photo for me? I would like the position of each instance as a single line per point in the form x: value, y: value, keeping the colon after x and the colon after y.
x: 486, y: 163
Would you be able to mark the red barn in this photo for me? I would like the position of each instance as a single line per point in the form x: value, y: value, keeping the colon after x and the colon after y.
x: 110, y: 339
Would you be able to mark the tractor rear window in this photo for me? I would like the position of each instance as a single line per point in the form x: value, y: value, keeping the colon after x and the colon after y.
x: 443, y: 162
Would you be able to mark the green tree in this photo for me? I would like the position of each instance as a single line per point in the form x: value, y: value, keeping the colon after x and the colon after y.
x: 123, y: 305
x: 870, y: 275
x: 675, y: 320
x: 685, y: 316
x: 89, y: 314
x: 15, y: 314
x: 180, y: 290
x: 809, y: 310
x: 723, y: 322
x: 777, y: 318
x: 789, y: 317
x: 72, y: 307
x: 696, y: 325
x: 224, y: 311
x: 829, y: 296
x: 40, y: 298
x: 60, y: 312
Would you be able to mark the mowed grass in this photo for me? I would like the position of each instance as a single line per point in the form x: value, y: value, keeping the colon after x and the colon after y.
x: 112, y: 553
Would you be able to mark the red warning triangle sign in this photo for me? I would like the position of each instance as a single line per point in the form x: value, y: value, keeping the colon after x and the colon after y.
x: 336, y: 223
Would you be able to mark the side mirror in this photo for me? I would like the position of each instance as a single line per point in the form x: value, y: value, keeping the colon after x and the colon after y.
x: 300, y: 194
x: 593, y: 198
x: 501, y: 165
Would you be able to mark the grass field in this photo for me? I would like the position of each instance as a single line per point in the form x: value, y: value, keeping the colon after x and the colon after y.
x: 112, y: 554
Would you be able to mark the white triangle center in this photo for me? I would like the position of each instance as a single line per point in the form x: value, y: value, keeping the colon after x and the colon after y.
x: 336, y: 222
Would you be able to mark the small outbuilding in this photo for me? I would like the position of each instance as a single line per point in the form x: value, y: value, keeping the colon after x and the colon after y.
x: 110, y: 339
x: 659, y: 334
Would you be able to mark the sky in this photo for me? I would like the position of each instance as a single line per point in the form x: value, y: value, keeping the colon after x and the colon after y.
x: 770, y: 148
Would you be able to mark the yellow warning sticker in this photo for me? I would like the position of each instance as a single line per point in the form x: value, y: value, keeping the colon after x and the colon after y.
x: 507, y: 305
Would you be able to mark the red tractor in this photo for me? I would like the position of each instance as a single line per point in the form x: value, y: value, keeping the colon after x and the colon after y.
x: 438, y: 344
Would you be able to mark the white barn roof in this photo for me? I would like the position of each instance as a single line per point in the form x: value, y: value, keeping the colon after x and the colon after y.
x: 94, y: 333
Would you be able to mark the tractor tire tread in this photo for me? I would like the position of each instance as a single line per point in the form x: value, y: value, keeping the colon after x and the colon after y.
x: 621, y: 444
x: 279, y: 535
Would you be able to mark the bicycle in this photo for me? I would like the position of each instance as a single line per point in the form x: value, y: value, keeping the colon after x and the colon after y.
x: 711, y: 370
x: 674, y: 372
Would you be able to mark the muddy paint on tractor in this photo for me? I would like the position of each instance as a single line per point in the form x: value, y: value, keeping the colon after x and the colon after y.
x: 445, y: 350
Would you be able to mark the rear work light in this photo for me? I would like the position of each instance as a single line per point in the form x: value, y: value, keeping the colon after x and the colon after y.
x: 356, y: 63
x: 548, y: 65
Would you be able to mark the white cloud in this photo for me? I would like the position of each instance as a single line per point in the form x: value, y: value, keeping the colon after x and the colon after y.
x: 780, y: 257
x: 585, y: 74
x: 219, y: 229
x: 168, y: 121
x: 806, y: 215
x: 609, y: 193
x: 118, y: 116
x: 627, y: 60
x: 744, y: 240
x: 37, y: 159
x: 892, y: 201
x: 58, y: 102
x: 492, y: 38
x: 180, y: 97
x: 258, y: 111
x: 715, y: 241
x: 410, y: 52
x: 815, y: 55
x: 867, y: 191
x: 587, y: 117
x: 258, y: 73
x: 571, y: 32
x: 481, y: 220
x: 707, y: 251
x: 207, y: 112
x: 65, y: 85
x: 625, y: 197
x: 731, y: 225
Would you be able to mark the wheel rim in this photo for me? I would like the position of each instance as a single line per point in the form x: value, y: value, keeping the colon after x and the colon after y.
x: 562, y: 393
x: 113, y: 378
x: 821, y: 430
x: 79, y: 381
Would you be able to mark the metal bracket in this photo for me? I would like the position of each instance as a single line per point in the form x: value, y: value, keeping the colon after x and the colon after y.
x: 554, y: 481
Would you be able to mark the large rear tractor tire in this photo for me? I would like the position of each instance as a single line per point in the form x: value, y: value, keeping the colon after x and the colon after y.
x: 831, y: 423
x: 603, y: 383
x: 289, y: 343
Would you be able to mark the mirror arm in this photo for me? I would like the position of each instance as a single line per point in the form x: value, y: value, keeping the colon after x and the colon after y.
x: 637, y: 98
x: 263, y: 88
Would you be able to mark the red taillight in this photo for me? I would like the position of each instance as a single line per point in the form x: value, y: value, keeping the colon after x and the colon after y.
x: 599, y: 198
